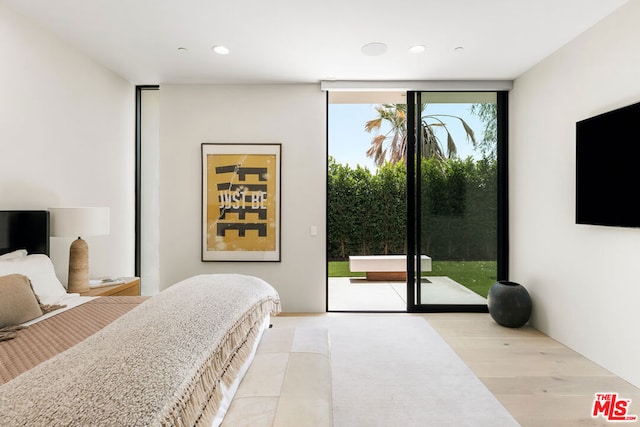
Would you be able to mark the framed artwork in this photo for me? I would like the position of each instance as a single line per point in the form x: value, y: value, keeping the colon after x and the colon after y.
x: 241, y: 202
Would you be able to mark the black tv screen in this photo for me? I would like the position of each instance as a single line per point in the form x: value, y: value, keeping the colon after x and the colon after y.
x: 608, y: 168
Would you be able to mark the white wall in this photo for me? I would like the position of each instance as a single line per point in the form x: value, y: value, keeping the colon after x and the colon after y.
x: 293, y: 115
x: 584, y: 280
x: 66, y: 139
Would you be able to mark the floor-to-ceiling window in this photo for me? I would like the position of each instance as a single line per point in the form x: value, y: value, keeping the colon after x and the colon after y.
x: 454, y: 221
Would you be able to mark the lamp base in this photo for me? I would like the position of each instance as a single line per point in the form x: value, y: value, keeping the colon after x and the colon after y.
x: 78, y: 280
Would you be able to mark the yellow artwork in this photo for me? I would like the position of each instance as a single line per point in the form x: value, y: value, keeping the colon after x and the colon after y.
x: 242, y: 207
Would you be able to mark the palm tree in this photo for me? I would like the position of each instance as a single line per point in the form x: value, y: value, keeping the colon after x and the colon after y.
x: 396, y: 116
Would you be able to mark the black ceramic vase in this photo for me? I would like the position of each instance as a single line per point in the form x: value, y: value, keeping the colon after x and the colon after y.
x: 509, y: 304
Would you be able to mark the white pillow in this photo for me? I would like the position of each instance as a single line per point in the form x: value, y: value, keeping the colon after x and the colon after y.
x: 39, y: 269
x: 15, y: 254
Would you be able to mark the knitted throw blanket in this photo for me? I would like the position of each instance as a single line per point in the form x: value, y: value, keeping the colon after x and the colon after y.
x: 159, y: 364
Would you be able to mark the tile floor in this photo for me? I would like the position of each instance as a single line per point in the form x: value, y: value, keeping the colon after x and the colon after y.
x: 288, y: 383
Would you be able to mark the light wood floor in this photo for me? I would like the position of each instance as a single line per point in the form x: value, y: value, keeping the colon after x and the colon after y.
x: 538, y: 380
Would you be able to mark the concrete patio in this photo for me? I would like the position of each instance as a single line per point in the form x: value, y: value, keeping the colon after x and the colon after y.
x: 358, y: 294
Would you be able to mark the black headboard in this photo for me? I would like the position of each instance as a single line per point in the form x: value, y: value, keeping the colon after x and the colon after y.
x: 24, y: 230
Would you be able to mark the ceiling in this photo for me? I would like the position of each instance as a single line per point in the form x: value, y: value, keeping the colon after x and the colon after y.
x: 297, y: 41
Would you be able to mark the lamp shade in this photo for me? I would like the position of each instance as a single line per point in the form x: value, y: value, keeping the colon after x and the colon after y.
x: 77, y: 222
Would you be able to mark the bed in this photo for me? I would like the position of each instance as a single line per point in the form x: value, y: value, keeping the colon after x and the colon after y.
x: 172, y: 359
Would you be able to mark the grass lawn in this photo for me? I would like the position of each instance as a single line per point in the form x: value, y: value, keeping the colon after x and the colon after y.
x: 475, y: 275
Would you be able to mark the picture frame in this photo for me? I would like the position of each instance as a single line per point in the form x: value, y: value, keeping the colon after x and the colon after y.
x: 241, y: 202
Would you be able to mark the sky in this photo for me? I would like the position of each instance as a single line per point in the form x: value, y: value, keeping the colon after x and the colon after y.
x: 348, y: 141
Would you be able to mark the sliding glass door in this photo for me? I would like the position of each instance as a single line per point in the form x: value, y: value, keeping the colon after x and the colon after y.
x: 456, y: 199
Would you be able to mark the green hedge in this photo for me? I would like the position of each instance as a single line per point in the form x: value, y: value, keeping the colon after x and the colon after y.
x: 367, y: 212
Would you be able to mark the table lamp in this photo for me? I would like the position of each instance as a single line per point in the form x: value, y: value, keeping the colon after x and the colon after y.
x: 79, y: 222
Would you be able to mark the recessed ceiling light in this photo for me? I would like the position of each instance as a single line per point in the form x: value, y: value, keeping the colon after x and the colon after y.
x: 182, y: 49
x: 374, y: 49
x: 419, y: 48
x: 221, y: 50
x: 458, y: 49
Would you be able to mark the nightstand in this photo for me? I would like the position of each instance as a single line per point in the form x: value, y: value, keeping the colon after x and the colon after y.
x: 130, y: 287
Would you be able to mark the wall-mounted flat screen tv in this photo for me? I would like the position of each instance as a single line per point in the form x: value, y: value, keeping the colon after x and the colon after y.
x: 608, y: 168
